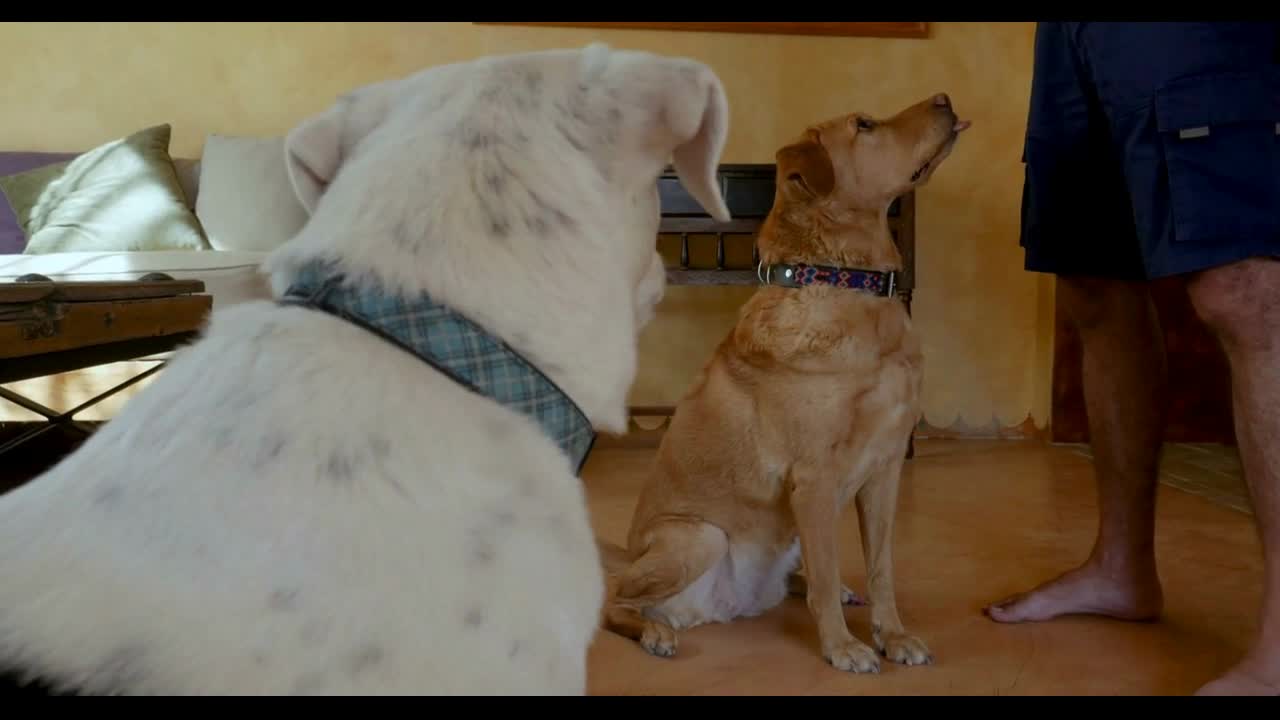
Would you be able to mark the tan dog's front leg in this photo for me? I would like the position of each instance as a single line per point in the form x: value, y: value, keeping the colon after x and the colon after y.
x: 798, y: 586
x: 877, y: 508
x: 814, y: 505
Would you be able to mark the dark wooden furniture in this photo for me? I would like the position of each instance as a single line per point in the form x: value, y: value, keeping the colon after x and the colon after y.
x: 50, y: 327
x: 748, y: 189
x: 837, y: 29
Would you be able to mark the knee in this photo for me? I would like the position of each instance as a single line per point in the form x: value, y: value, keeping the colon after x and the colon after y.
x: 1240, y: 302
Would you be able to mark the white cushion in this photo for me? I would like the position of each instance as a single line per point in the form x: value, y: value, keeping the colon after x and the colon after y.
x: 230, y: 277
x: 246, y: 201
x: 122, y: 195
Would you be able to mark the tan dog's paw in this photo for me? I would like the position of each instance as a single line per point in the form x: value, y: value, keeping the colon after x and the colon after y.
x: 853, y: 655
x: 658, y: 639
x: 904, y: 649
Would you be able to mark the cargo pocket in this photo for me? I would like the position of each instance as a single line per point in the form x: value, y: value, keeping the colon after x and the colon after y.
x: 1220, y: 133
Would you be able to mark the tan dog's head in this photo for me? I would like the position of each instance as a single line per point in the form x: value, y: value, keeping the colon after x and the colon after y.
x: 859, y: 162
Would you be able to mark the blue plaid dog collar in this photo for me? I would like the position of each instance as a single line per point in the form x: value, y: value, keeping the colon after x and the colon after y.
x: 878, y: 283
x: 455, y: 346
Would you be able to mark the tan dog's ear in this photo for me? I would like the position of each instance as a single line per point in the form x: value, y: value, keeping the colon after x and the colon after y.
x: 805, y: 169
x: 697, y: 111
x: 313, y: 152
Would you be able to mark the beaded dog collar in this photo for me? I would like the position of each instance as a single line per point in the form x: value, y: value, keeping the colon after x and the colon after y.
x: 801, y: 275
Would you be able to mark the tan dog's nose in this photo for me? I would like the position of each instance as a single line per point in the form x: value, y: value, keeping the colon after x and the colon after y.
x: 941, y: 100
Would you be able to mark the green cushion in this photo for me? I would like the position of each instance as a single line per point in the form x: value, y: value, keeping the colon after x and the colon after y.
x: 118, y: 197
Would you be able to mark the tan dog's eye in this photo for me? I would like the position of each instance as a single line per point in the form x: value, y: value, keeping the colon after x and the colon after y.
x: 864, y: 124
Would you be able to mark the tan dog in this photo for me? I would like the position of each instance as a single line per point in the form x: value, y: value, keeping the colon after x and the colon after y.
x: 808, y: 402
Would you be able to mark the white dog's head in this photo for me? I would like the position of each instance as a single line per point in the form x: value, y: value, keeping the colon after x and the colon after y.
x: 521, y: 190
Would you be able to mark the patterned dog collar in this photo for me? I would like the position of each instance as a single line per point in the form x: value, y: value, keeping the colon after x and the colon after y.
x: 878, y: 283
x: 455, y: 346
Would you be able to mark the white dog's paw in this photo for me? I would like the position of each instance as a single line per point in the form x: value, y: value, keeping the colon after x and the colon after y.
x: 658, y: 639
x: 853, y: 655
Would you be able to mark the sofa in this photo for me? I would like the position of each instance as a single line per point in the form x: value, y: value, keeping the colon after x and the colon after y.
x: 219, y: 237
x: 126, y: 208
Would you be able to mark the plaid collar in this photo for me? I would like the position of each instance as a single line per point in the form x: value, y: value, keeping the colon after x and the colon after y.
x: 455, y: 346
x: 800, y: 275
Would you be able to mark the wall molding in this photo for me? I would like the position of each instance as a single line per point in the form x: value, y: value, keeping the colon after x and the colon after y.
x: 994, y: 430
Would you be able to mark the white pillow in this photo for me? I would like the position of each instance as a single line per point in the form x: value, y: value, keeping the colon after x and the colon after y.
x: 245, y: 201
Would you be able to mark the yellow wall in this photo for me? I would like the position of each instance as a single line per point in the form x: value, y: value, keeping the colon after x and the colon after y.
x: 986, y: 324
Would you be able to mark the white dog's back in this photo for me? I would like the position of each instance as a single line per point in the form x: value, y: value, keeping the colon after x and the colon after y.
x: 298, y: 532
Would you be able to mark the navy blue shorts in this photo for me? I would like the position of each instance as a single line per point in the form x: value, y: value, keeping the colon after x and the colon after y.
x: 1152, y: 149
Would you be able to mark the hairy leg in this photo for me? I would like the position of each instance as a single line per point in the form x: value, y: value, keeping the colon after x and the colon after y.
x: 1241, y: 303
x: 1125, y: 378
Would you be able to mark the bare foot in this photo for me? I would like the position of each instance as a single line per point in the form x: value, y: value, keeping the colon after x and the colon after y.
x: 1239, y: 683
x: 1087, y: 590
x: 1250, y: 677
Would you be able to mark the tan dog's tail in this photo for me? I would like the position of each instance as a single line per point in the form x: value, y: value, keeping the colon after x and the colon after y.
x: 613, y: 557
x: 613, y: 560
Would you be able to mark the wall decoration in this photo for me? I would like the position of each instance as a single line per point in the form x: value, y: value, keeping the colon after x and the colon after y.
x: 840, y: 29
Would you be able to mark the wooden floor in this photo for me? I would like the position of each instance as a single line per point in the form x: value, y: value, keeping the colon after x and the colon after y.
x: 1208, y: 470
x: 979, y: 520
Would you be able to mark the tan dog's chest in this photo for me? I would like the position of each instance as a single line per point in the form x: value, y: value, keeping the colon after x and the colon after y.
x: 851, y: 425
x: 842, y: 393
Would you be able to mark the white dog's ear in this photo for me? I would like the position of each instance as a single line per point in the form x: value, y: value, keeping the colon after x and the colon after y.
x: 696, y: 109
x: 317, y: 147
x: 313, y: 152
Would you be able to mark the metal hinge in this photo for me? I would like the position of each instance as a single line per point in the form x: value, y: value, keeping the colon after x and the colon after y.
x: 35, y: 320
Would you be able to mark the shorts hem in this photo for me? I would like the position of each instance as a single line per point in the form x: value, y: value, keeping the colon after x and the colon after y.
x: 1191, y: 264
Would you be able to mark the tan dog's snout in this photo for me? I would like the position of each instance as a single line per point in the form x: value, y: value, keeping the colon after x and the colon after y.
x: 860, y: 161
x: 929, y: 123
x: 942, y: 103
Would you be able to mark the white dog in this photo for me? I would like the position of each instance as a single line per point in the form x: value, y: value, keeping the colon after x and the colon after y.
x: 299, y: 504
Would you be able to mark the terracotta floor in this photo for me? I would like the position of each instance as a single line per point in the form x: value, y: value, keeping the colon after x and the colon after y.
x: 979, y: 520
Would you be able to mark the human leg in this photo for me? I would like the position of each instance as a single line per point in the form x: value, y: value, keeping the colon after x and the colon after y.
x: 1124, y: 385
x: 1073, y: 164
x: 1240, y: 302
x: 1199, y: 140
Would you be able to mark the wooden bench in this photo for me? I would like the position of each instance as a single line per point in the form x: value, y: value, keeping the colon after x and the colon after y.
x: 748, y: 190
x: 51, y: 327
